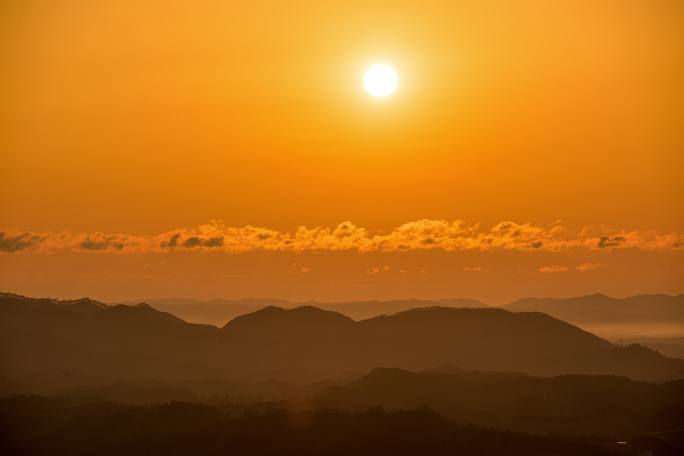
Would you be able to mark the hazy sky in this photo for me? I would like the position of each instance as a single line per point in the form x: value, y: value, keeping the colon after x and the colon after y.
x: 126, y: 123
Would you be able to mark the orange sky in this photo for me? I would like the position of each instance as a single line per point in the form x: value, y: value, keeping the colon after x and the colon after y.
x: 125, y: 122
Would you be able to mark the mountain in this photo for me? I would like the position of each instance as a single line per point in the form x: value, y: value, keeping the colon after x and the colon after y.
x: 627, y: 316
x: 655, y: 320
x: 361, y: 310
x: 318, y: 341
x: 215, y: 312
x: 602, y: 309
x: 53, y: 345
x: 220, y: 311
x: 616, y: 407
x: 83, y: 305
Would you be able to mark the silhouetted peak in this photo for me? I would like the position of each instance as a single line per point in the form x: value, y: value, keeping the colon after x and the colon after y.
x: 451, y: 311
x: 81, y: 305
x: 597, y: 298
x: 276, y: 326
x: 124, y: 308
x: 461, y: 302
x: 84, y: 305
x: 384, y: 376
x: 657, y: 298
x: 596, y: 295
x: 276, y: 315
x: 141, y: 311
x: 311, y: 310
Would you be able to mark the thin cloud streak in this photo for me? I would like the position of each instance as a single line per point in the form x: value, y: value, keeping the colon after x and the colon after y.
x: 425, y: 234
x: 552, y: 269
x: 584, y: 267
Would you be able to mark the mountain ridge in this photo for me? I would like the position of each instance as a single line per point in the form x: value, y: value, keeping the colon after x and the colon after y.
x: 45, y: 339
x: 598, y: 308
x: 568, y: 404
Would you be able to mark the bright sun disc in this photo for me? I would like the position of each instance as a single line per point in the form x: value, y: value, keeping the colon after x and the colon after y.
x: 380, y: 80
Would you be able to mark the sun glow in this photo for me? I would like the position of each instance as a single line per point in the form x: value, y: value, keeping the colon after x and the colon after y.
x: 380, y: 80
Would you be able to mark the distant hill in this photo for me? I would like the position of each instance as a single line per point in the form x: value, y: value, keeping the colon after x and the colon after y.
x: 599, y: 405
x: 602, y: 309
x: 361, y: 310
x: 619, y: 316
x: 654, y: 320
x: 220, y: 311
x: 58, y: 344
x: 484, y: 339
x: 216, y: 312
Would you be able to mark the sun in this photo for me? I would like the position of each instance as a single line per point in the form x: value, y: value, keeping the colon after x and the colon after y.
x: 380, y: 80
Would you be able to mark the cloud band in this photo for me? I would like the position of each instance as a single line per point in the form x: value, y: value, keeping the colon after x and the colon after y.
x: 422, y: 234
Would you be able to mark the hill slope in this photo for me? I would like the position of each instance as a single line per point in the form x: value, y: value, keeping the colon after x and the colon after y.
x: 65, y: 343
x: 220, y: 311
x: 602, y: 309
x: 51, y: 342
x: 600, y: 405
x: 484, y: 339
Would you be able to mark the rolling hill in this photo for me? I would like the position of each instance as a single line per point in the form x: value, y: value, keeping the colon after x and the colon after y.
x: 57, y: 344
x: 218, y: 312
x: 601, y: 309
x: 611, y: 406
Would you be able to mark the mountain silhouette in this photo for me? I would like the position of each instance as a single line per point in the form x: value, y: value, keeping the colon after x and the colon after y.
x: 39, y: 425
x: 481, y: 339
x: 57, y: 344
x: 220, y: 311
x: 600, y: 405
x: 602, y: 309
x: 595, y: 309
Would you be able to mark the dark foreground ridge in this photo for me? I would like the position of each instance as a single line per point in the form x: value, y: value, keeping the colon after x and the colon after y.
x: 612, y: 407
x: 35, y: 425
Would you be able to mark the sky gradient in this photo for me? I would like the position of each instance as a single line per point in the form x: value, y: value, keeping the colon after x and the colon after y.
x: 531, y: 148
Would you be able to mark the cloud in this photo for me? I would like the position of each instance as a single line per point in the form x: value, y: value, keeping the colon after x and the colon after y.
x: 214, y: 241
x: 377, y: 269
x: 102, y: 243
x: 192, y: 241
x: 584, y: 267
x: 424, y: 234
x: 608, y: 241
x: 172, y: 242
x: 552, y: 269
x: 22, y: 241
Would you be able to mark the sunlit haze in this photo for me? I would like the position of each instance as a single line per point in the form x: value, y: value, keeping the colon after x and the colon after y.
x: 296, y: 148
